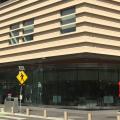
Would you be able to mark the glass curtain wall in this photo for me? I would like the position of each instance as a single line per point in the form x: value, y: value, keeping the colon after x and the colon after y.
x: 69, y: 85
x: 75, y: 86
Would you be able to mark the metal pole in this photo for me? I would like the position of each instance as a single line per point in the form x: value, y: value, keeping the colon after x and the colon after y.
x: 20, y: 98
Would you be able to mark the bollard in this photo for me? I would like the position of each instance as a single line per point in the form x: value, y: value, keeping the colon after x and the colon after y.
x: 89, y: 116
x: 118, y: 117
x: 27, y: 111
x: 45, y: 113
x: 12, y: 110
x: 65, y: 115
x: 2, y: 110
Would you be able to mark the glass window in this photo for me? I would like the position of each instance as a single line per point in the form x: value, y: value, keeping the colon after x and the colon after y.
x: 68, y: 28
x: 15, y: 26
x: 28, y: 22
x: 14, y: 33
x: 27, y: 30
x: 28, y: 38
x: 14, y: 41
x: 68, y: 23
x: 68, y: 11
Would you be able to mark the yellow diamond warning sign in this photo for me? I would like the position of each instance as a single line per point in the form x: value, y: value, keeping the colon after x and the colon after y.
x: 22, y: 77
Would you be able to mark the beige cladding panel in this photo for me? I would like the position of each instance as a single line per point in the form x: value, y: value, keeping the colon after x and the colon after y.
x: 39, y: 54
x: 47, y: 18
x: 39, y: 22
x: 70, y: 41
x: 37, y: 12
x: 48, y: 43
x: 100, y: 20
x: 77, y: 39
x: 28, y: 9
x: 97, y: 29
x: 3, y: 45
x: 105, y: 4
x: 4, y: 37
x: 103, y: 40
x: 64, y: 51
x: 4, y: 30
x: 16, y: 5
x: 47, y: 26
x: 103, y: 12
x: 47, y: 34
x: 45, y: 45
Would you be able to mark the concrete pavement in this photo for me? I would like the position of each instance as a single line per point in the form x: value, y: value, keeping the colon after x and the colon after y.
x: 58, y: 114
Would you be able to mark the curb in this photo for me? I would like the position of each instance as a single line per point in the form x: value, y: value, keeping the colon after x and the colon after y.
x: 33, y: 116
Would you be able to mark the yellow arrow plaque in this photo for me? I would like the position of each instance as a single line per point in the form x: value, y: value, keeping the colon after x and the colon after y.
x: 22, y: 77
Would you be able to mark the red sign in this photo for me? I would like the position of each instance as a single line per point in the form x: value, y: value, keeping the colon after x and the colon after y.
x: 119, y: 89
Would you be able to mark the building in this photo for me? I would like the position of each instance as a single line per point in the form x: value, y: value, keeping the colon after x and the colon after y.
x: 70, y: 50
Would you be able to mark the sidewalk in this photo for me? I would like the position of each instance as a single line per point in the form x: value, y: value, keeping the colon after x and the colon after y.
x: 72, y: 114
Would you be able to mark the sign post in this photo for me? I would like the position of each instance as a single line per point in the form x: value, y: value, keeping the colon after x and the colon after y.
x: 20, y: 97
x: 21, y: 77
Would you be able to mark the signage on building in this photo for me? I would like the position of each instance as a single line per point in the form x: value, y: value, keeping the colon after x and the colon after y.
x: 22, y: 77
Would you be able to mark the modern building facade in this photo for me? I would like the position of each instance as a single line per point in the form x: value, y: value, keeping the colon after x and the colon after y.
x: 70, y: 50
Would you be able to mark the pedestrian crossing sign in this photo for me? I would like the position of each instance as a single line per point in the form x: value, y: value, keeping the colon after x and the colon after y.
x: 22, y: 77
